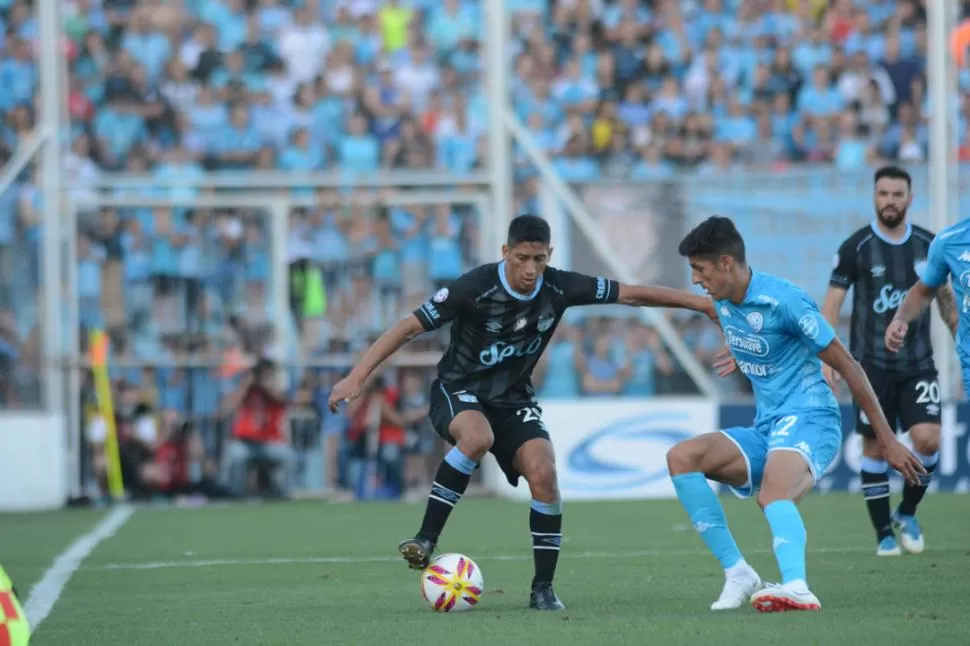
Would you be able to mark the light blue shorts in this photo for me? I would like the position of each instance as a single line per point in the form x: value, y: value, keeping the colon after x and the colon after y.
x: 815, y: 435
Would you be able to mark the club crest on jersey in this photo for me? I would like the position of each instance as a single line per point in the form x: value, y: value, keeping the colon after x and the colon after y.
x: 494, y: 327
x: 545, y: 323
x: 755, y: 320
x: 519, y: 324
x: 440, y: 295
x: 919, y: 267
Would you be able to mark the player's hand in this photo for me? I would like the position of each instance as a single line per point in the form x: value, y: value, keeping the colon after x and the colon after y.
x: 724, y: 363
x: 903, y: 460
x: 896, y: 335
x: 347, y: 390
x: 832, y: 378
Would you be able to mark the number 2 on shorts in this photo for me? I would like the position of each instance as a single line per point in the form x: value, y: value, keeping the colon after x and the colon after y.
x: 784, y: 426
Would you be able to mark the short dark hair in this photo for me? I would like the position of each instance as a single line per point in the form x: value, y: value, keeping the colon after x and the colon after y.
x: 893, y: 172
x: 714, y: 237
x: 528, y: 228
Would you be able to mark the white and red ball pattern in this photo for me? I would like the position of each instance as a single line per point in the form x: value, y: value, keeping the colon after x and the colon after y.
x: 452, y: 583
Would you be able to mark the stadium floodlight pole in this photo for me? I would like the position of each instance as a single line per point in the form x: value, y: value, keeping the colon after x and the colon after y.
x: 50, y: 174
x: 73, y: 403
x: 499, y: 150
x: 940, y: 117
x: 285, y: 337
x: 601, y: 246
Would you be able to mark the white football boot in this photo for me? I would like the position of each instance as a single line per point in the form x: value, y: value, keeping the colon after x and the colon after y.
x: 910, y: 534
x: 794, y: 595
x: 740, y: 582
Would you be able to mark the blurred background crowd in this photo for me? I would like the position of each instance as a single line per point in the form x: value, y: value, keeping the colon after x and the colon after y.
x: 618, y: 89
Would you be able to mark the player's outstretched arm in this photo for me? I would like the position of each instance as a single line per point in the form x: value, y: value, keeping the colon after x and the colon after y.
x: 901, y: 458
x: 917, y: 300
x: 349, y: 388
x: 654, y: 296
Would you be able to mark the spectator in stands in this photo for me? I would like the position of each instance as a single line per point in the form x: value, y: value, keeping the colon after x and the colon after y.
x: 648, y: 361
x: 603, y: 374
x: 420, y: 438
x: 257, y: 410
x: 305, y: 420
x: 376, y: 438
x: 557, y: 373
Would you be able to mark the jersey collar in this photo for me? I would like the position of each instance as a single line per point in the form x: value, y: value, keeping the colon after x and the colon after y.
x: 511, y: 292
x: 752, y: 286
x: 882, y: 236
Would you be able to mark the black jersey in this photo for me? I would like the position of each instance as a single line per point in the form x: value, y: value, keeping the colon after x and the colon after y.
x: 497, y: 334
x: 881, y: 272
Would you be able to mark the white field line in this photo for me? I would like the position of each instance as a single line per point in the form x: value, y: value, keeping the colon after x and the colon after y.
x: 48, y: 590
x: 524, y: 556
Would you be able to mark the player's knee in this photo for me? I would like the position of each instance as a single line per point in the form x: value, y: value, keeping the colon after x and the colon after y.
x: 871, y: 448
x: 926, y: 439
x: 681, y: 459
x: 541, y: 476
x: 783, y: 484
x: 476, y: 443
x: 768, y: 495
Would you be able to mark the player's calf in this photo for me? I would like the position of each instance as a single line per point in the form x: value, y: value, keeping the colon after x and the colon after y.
x: 787, y: 478
x: 690, y: 463
x: 473, y: 438
x: 535, y: 460
x: 874, y: 474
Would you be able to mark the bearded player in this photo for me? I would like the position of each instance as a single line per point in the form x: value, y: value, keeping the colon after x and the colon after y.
x: 881, y: 262
x: 502, y: 316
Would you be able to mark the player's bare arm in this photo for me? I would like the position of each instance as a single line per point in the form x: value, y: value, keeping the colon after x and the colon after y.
x: 837, y: 356
x: 653, y: 296
x: 917, y: 300
x: 947, y: 304
x: 831, y: 306
x: 349, y: 388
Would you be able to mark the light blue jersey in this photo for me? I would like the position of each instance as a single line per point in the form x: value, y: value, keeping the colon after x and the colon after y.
x: 775, y: 335
x: 949, y: 255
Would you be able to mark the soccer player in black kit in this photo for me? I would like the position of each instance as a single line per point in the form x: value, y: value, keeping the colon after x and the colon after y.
x: 881, y: 262
x: 503, y: 315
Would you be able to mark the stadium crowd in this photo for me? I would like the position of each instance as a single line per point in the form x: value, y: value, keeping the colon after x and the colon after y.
x: 608, y: 89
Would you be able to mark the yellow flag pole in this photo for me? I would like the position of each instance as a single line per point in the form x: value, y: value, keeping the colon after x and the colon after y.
x: 102, y: 385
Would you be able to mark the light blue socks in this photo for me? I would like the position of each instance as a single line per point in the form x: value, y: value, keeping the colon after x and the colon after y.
x: 789, y: 542
x: 707, y: 517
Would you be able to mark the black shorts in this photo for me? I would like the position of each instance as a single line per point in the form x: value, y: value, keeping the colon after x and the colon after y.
x: 512, y: 426
x: 906, y: 399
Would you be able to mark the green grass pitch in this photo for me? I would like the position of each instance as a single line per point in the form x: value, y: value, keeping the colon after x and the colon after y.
x: 630, y: 573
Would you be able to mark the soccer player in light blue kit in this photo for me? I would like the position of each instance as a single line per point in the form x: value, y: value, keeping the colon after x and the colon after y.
x: 776, y: 337
x: 949, y: 255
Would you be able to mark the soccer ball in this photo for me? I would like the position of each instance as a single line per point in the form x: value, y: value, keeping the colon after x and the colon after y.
x: 452, y: 583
